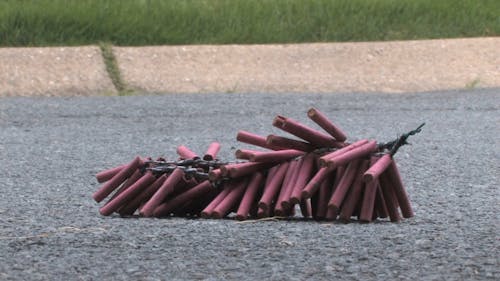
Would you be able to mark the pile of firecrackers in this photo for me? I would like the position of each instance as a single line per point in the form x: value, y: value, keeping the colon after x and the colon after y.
x: 314, y: 174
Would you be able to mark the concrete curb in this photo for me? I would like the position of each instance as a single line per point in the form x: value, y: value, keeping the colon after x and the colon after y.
x: 394, y: 67
x: 61, y: 71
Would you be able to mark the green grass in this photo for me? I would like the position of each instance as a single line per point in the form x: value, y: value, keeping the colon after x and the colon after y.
x: 155, y: 22
x: 112, y: 68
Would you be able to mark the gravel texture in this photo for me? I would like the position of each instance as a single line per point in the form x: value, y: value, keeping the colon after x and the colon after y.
x: 51, y: 149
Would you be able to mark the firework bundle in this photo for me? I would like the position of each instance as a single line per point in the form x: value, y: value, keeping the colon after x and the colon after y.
x: 327, y: 177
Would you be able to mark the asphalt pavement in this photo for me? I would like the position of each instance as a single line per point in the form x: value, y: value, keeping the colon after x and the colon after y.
x: 51, y: 148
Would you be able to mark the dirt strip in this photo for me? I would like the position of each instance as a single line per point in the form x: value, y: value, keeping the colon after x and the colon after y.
x: 393, y: 67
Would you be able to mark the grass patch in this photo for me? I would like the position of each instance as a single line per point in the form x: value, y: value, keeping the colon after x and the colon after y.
x: 158, y: 22
x: 112, y: 68
x: 472, y: 84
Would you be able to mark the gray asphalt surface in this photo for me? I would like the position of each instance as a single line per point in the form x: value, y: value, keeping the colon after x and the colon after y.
x: 51, y: 148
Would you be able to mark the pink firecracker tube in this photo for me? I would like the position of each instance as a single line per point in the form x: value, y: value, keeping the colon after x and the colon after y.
x: 261, y: 213
x: 368, y: 206
x: 391, y: 201
x: 231, y: 200
x: 289, y: 143
x: 377, y: 168
x: 352, y: 199
x: 303, y: 177
x: 128, y: 194
x: 344, y: 184
x: 166, y: 188
x: 271, y: 190
x: 215, y: 174
x: 289, y: 175
x: 339, y: 172
x: 194, y: 207
x: 324, y: 194
x: 319, y: 118
x: 143, y: 197
x: 212, y: 151
x: 331, y: 214
x: 313, y: 185
x: 184, y: 184
x: 109, y: 173
x: 244, y: 169
x: 186, y: 153
x: 133, y: 178
x: 249, y: 196
x: 245, y: 153
x: 401, y: 195
x: 275, y: 156
x: 130, y: 181
x: 314, y: 137
x: 380, y: 205
x: 324, y: 159
x: 356, y: 153
x: 270, y: 174
x: 207, y: 211
x: 195, y: 192
x: 116, y: 180
x: 250, y: 138
x: 305, y: 208
x: 285, y: 203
